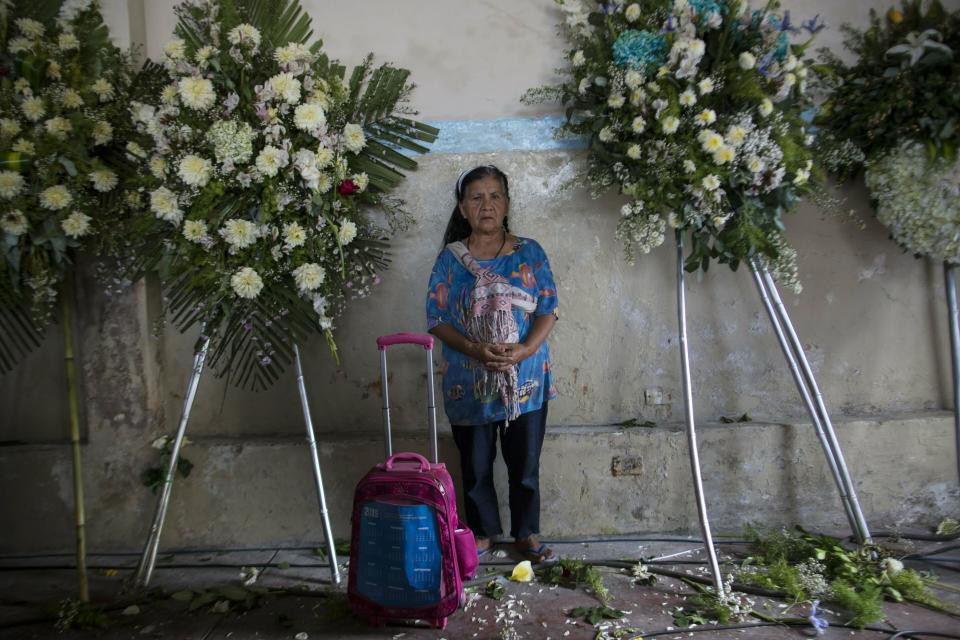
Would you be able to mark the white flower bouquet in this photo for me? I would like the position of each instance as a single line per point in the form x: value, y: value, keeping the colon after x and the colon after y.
x: 693, y: 110
x: 59, y: 166
x: 259, y: 160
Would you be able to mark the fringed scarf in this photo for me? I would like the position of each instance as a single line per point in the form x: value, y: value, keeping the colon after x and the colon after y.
x: 491, y: 320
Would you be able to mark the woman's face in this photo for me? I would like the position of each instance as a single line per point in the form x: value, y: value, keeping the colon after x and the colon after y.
x: 485, y: 205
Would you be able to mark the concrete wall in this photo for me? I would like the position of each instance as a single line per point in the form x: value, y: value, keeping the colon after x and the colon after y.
x: 872, y: 320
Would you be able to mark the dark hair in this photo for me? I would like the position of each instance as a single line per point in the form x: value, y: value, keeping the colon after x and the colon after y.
x: 458, y: 228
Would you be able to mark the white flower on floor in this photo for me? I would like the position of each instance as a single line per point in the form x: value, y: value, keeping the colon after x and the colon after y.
x: 76, y: 225
x: 246, y: 283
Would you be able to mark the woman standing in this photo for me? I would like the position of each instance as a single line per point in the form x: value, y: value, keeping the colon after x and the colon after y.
x: 492, y: 302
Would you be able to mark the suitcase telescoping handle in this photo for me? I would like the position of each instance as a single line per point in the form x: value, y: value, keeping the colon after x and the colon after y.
x: 426, y: 341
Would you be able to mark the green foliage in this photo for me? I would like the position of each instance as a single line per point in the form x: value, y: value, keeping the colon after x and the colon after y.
x: 74, y: 614
x: 571, y: 574
x: 595, y: 615
x: 865, y: 602
x: 495, y: 590
x: 903, y: 85
x: 154, y: 476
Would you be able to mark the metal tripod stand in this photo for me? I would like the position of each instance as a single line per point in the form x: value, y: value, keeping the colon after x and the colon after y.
x: 806, y: 385
x: 149, y: 558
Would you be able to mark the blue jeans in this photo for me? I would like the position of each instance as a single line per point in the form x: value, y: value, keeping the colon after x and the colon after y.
x: 521, y: 444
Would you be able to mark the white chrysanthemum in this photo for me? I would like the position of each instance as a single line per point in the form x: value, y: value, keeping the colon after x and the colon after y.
x: 19, y: 44
x: 194, y: 170
x: 102, y: 132
x: 362, y: 180
x: 354, y: 138
x: 724, y: 154
x: 616, y: 101
x: 309, y: 276
x: 324, y: 183
x: 164, y: 204
x: 697, y: 48
x: 324, y: 157
x: 706, y: 117
x: 670, y: 124
x: 9, y: 127
x: 239, y: 234
x: 688, y: 98
x: 169, y: 94
x: 271, y: 159
x: 53, y: 70
x: 158, y: 167
x: 68, y: 41
x: 246, y: 283
x: 747, y: 60
x: 76, y: 225
x: 801, y: 177
x: 55, y: 198
x: 711, y: 182
x: 195, y: 230
x: 293, y: 236
x: 103, y: 89
x: 736, y: 135
x: 689, y: 166
x: 33, y: 108
x: 176, y: 49
x: 203, y: 55
x: 103, y: 180
x: 584, y: 86
x: 30, y: 28
x: 70, y: 9
x: 706, y: 86
x: 605, y: 134
x: 755, y: 164
x: 286, y: 86
x: 24, y: 146
x: 347, y: 232
x: 58, y: 127
x: 292, y: 52
x: 766, y: 107
x: 710, y: 140
x: 634, y: 152
x: 578, y: 59
x: 309, y: 117
x: 11, y: 183
x: 71, y: 99
x: 632, y: 13
x: 244, y: 34
x: 14, y: 223
x: 196, y: 92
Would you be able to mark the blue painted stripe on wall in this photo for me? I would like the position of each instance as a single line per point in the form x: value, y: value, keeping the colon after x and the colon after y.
x: 501, y: 134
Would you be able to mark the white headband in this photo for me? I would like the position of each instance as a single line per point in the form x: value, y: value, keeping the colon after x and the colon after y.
x: 464, y: 175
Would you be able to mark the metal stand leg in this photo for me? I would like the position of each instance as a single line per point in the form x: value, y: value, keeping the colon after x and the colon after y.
x: 950, y: 282
x: 311, y: 440
x: 149, y: 557
x: 834, y: 452
x: 691, y: 428
x: 804, y: 393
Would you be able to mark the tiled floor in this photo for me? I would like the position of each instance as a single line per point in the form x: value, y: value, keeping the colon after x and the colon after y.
x: 300, y: 601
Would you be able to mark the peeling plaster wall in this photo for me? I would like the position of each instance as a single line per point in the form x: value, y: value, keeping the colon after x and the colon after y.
x: 872, y: 320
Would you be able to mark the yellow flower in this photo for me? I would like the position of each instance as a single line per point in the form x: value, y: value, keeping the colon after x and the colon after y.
x: 894, y: 15
x: 523, y: 572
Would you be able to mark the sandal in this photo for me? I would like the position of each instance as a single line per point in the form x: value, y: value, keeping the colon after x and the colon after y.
x: 535, y: 551
x: 483, y: 550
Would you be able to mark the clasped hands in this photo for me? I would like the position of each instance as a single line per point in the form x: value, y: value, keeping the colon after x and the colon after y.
x: 499, y: 356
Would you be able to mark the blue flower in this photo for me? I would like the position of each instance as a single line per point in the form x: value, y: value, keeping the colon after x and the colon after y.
x: 783, y: 46
x: 639, y: 50
x: 814, y: 25
x: 705, y: 7
x: 819, y: 624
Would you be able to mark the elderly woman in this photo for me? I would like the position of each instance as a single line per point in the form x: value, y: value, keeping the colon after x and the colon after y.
x: 492, y: 302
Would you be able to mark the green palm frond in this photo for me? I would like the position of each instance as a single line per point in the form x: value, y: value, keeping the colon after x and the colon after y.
x: 18, y: 333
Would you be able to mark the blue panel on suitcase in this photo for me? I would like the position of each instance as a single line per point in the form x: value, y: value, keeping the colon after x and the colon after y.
x: 399, y: 556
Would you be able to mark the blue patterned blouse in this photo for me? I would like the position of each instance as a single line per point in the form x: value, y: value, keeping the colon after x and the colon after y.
x: 448, y: 302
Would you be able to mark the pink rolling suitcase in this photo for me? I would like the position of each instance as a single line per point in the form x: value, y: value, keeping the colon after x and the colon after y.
x: 409, y: 555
